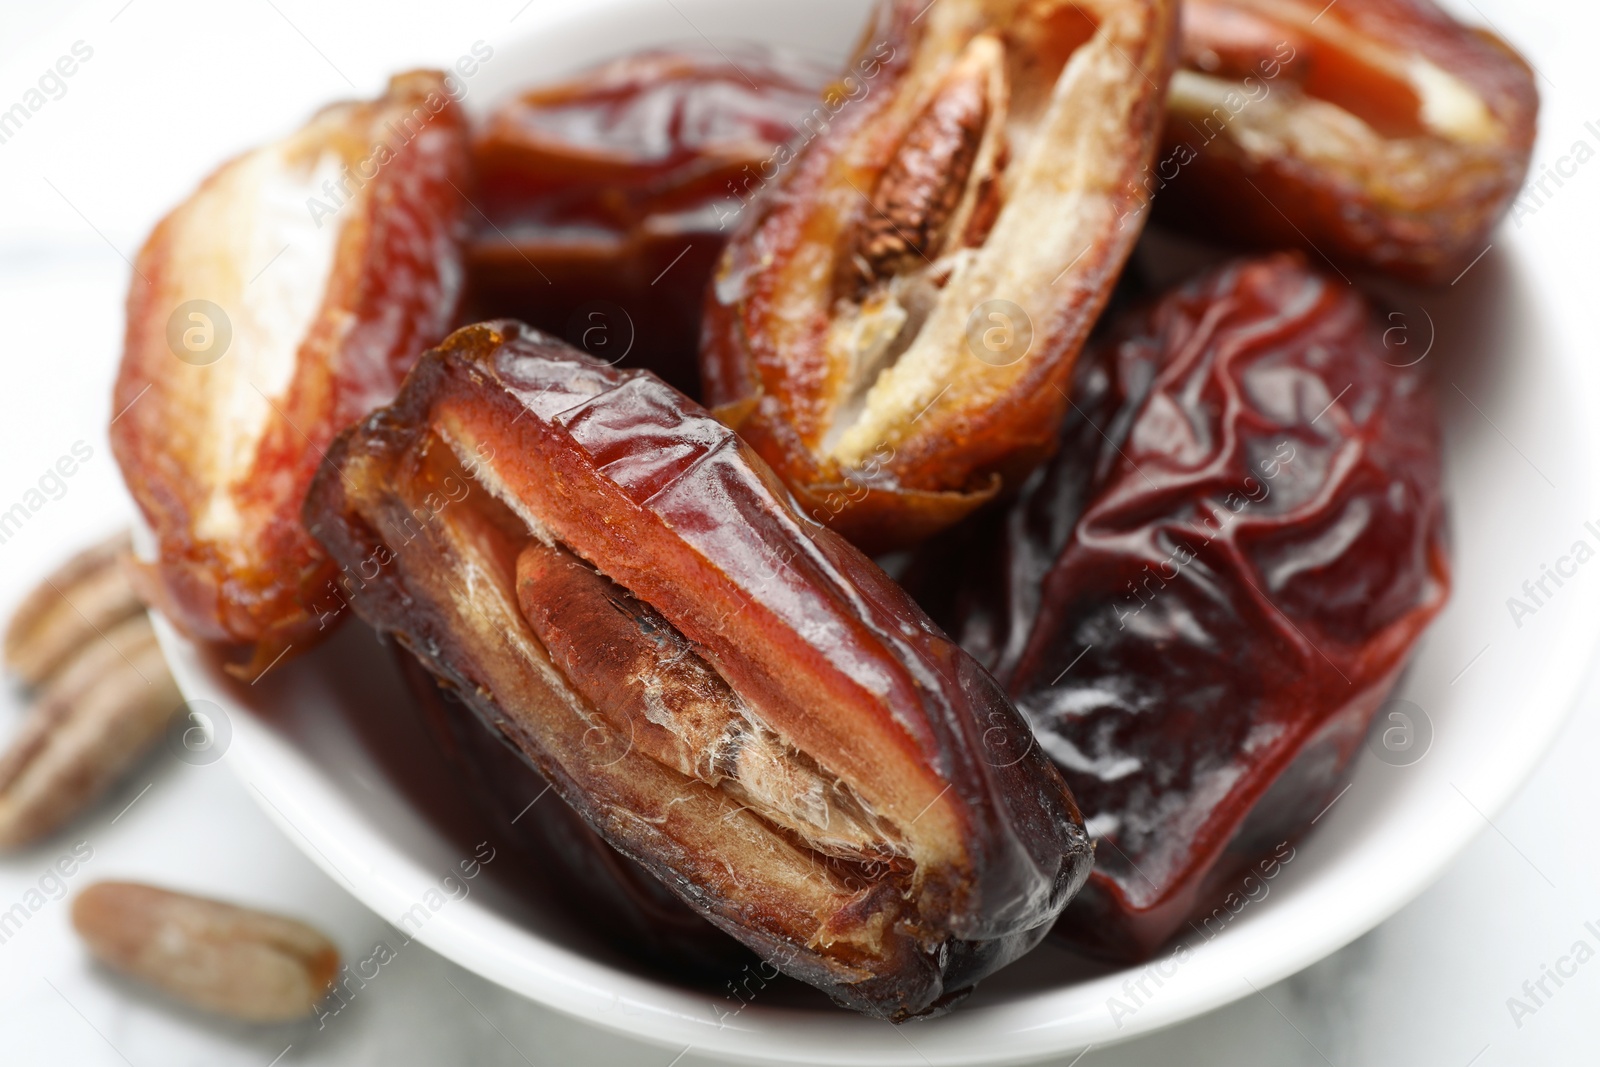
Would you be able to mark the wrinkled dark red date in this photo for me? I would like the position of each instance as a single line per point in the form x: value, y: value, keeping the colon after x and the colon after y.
x: 1201, y: 603
x: 607, y: 197
x: 727, y: 692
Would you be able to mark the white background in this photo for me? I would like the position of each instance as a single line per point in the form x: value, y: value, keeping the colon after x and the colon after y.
x: 173, y: 88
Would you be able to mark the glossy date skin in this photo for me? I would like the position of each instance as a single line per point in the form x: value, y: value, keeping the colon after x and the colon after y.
x: 729, y: 694
x: 616, y: 189
x: 894, y: 323
x: 1380, y: 133
x: 1202, y: 602
x: 283, y: 301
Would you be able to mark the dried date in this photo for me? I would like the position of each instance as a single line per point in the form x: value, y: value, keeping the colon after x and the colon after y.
x: 1202, y: 601
x: 606, y: 198
x: 894, y: 323
x: 728, y: 693
x: 1380, y: 133
x: 285, y: 299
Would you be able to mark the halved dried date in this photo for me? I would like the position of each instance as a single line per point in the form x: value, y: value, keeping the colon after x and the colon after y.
x: 1203, y: 600
x: 728, y: 693
x: 607, y: 197
x: 281, y: 302
x: 1380, y: 133
x: 894, y: 324
x: 678, y: 709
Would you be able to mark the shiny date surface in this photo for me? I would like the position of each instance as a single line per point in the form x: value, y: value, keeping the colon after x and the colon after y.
x: 1382, y: 134
x: 728, y: 693
x: 1202, y: 602
x: 284, y: 300
x: 894, y: 322
x: 606, y: 197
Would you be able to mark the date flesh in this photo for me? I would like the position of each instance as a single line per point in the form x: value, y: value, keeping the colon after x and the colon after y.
x: 1380, y: 133
x: 600, y: 890
x: 607, y: 198
x: 894, y: 322
x: 1203, y: 600
x: 284, y: 300
x: 729, y: 694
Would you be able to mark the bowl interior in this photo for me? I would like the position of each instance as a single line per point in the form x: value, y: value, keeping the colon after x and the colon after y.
x: 327, y: 744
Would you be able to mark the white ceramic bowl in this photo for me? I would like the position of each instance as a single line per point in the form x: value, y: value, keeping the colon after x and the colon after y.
x: 311, y: 742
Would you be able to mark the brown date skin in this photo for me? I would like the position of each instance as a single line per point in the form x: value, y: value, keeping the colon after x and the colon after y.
x: 1242, y: 572
x: 218, y: 454
x: 1329, y: 141
x: 602, y: 890
x: 982, y: 150
x: 593, y: 188
x: 516, y: 493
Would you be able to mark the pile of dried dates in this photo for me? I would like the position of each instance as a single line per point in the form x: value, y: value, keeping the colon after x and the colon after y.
x: 602, y: 403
